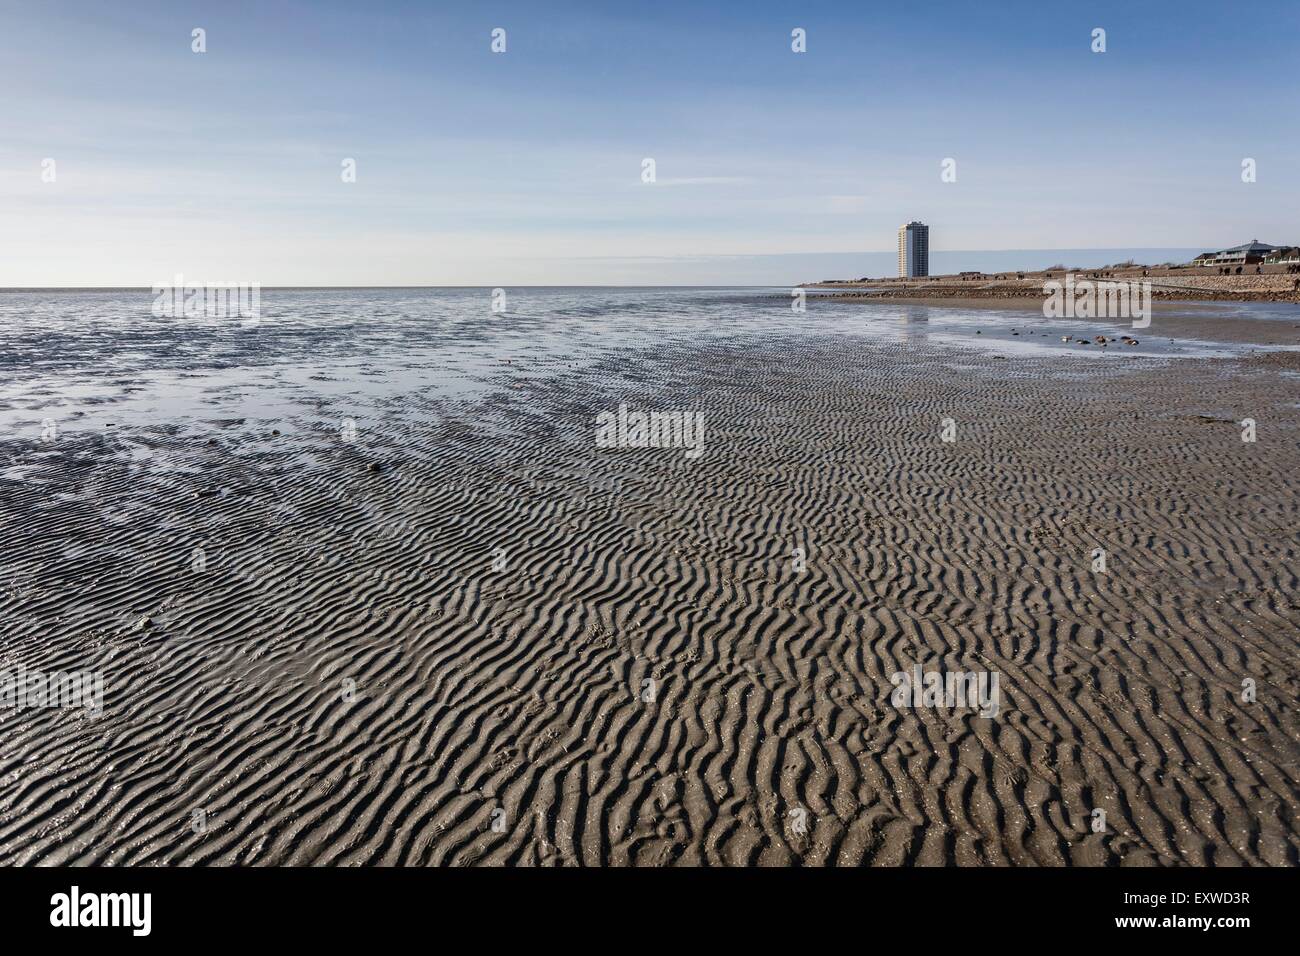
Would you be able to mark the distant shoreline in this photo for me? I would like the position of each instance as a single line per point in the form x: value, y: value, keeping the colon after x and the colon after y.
x: 1272, y: 284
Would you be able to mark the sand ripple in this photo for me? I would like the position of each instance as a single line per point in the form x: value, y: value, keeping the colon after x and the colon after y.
x: 349, y: 680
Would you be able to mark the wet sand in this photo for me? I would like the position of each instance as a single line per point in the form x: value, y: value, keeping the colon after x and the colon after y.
x: 466, y: 635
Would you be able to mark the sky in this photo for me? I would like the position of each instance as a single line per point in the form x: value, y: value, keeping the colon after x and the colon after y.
x: 526, y: 167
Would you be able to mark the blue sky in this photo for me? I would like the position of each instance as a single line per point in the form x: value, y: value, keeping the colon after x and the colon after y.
x: 525, y: 167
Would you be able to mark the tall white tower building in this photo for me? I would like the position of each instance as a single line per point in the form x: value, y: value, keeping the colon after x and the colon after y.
x: 913, y: 250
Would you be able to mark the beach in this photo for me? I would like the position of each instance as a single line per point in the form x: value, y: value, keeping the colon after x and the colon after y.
x: 363, y: 586
x: 1178, y: 284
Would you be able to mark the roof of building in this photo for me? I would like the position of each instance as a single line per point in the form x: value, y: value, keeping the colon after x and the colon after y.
x: 1253, y: 246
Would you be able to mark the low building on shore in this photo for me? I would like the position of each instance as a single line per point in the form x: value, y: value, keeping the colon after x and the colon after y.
x: 1247, y: 254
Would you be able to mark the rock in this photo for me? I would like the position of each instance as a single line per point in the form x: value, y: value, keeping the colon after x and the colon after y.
x: 374, y: 467
x: 144, y: 623
x: 1131, y: 342
x: 1101, y: 340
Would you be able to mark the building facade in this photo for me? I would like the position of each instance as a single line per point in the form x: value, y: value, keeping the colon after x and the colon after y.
x: 1243, y: 255
x: 913, y: 250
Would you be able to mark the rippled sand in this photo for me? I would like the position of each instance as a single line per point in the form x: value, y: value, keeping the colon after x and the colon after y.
x: 463, y: 634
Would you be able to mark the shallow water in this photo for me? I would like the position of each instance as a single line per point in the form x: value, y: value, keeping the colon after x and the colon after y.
x: 99, y: 359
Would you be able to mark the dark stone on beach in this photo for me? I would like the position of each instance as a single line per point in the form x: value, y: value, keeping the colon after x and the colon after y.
x: 144, y: 624
x: 275, y: 431
x: 1131, y: 342
x: 375, y: 467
